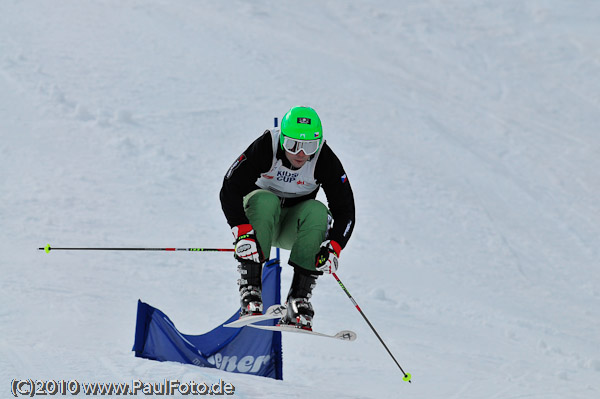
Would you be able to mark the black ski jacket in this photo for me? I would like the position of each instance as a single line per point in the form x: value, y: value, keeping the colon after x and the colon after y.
x: 257, y: 159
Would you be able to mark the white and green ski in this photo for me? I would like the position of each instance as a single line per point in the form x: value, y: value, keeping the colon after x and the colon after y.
x: 344, y: 335
x: 277, y: 312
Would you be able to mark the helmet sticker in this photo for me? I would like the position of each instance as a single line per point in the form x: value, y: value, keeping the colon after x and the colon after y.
x: 304, y: 121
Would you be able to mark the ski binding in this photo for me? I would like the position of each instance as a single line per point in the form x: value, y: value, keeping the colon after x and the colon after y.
x: 273, y: 312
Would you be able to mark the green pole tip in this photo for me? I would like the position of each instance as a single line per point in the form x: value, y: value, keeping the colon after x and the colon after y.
x: 407, y: 377
x: 47, y: 248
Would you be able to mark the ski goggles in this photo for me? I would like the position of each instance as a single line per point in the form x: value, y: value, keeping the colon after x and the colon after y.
x: 294, y: 146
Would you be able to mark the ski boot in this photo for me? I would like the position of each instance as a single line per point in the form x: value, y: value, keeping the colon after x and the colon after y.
x: 250, y: 288
x: 299, y: 310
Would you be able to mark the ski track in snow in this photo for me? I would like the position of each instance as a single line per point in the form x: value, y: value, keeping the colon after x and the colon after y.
x: 469, y: 131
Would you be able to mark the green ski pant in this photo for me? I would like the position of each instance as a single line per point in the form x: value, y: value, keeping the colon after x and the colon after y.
x: 300, y: 228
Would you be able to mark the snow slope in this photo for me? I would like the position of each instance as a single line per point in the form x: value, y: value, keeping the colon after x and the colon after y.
x: 469, y: 131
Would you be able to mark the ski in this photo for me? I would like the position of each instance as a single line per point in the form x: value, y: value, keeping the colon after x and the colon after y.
x: 273, y: 312
x: 344, y: 335
x: 278, y: 311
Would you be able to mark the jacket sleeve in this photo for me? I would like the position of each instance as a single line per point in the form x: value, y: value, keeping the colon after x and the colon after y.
x: 241, y: 177
x: 330, y: 173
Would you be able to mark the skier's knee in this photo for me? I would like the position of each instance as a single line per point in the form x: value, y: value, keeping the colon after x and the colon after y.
x: 262, y: 199
x: 316, y: 214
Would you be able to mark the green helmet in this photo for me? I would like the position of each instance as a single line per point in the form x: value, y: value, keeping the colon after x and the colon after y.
x: 302, y: 124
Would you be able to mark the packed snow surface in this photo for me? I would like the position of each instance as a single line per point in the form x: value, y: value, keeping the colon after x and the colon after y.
x: 468, y: 129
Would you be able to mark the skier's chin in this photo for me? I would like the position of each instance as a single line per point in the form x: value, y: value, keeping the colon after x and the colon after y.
x: 298, y: 164
x: 297, y: 160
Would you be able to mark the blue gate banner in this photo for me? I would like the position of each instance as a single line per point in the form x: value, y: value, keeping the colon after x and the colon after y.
x: 244, y: 350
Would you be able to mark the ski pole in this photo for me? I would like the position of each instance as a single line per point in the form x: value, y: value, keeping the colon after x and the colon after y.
x: 48, y: 248
x: 407, y: 377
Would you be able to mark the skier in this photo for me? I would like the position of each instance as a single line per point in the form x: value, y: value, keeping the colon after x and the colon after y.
x: 268, y: 198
